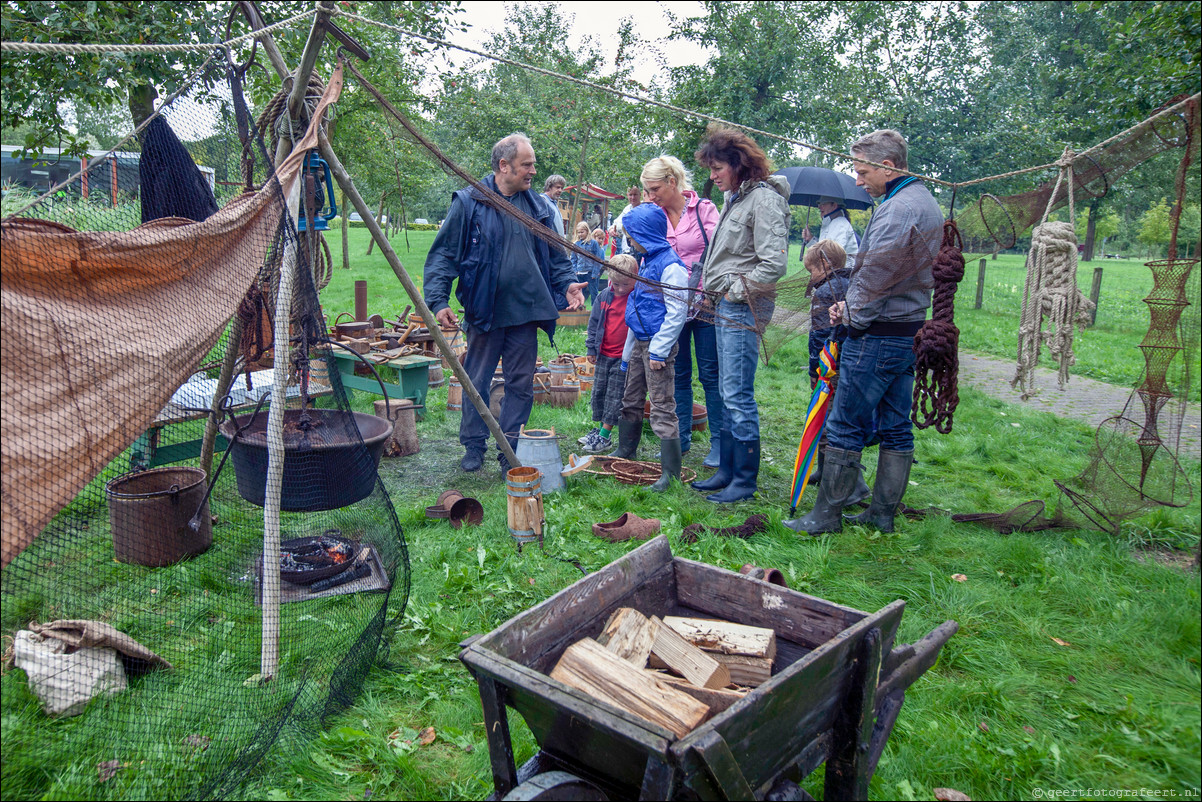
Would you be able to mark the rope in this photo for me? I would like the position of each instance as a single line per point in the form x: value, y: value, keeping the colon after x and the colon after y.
x: 1051, y: 291
x: 129, y: 47
x: 936, y: 346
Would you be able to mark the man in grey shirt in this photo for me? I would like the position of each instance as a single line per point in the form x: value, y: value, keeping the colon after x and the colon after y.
x: 886, y: 305
x: 552, y: 188
x: 510, y: 283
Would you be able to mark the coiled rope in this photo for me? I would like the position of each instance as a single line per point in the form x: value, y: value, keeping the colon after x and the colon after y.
x: 936, y: 346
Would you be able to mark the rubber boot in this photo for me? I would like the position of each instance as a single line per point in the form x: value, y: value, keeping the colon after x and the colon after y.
x: 842, y: 471
x: 714, y: 458
x: 892, y: 479
x: 669, y: 463
x: 816, y: 475
x: 629, y: 435
x: 746, y: 472
x: 726, y: 464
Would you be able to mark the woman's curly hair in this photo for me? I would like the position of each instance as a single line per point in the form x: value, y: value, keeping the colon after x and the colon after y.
x: 732, y: 146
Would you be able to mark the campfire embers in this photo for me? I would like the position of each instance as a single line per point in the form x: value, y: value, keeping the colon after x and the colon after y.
x: 306, y: 560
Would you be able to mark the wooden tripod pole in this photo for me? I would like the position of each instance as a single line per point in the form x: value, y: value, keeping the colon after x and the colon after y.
x: 344, y: 180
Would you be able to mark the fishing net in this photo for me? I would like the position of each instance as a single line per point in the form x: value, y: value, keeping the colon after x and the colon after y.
x: 139, y: 314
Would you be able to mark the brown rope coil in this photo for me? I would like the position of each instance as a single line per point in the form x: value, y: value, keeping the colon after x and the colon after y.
x: 936, y: 346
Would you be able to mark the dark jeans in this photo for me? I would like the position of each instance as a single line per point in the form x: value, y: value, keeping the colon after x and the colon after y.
x: 705, y: 341
x: 516, y: 347
x: 876, y: 375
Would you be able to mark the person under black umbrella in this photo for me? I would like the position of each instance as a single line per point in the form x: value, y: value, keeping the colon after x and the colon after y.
x: 836, y: 225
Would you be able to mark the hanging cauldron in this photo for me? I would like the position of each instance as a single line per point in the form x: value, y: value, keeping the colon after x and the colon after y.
x: 327, y: 464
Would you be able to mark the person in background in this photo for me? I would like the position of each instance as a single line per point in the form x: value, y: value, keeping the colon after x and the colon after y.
x: 887, y: 301
x: 654, y: 314
x: 836, y: 225
x: 634, y: 196
x: 691, y: 224
x: 552, y: 189
x: 596, y: 268
x: 582, y: 264
x: 747, y: 256
x: 594, y: 219
x: 605, y: 342
x: 510, y: 284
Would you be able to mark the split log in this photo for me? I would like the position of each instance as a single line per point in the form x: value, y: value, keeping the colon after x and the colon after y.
x: 686, y: 659
x: 589, y: 667
x: 403, y: 441
x: 718, y: 699
x: 629, y: 635
x: 723, y: 636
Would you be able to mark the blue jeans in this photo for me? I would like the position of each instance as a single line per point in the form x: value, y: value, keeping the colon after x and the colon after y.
x: 876, y: 375
x: 738, y: 352
x: 516, y: 348
x: 705, y: 341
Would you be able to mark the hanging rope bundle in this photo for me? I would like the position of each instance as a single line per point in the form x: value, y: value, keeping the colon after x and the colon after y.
x: 936, y: 346
x: 1051, y: 291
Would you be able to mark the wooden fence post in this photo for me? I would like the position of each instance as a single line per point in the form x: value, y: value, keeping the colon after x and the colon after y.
x: 980, y: 285
x: 1095, y: 292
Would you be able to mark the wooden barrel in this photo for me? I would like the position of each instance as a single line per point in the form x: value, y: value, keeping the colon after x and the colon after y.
x: 578, y: 317
x: 454, y: 394
x: 319, y: 366
x: 586, y: 383
x: 561, y: 369
x: 566, y: 394
x: 524, y: 509
x: 436, y: 376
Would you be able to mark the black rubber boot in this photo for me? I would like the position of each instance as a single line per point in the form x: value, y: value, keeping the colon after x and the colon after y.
x: 629, y: 435
x: 892, y: 479
x: 842, y: 473
x: 669, y: 463
x: 816, y: 475
x: 746, y: 471
x: 726, y: 464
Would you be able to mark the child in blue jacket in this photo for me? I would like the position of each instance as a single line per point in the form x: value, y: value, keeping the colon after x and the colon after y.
x: 655, y: 314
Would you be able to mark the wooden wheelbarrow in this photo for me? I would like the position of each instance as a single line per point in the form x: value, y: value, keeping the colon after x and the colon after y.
x: 836, y: 689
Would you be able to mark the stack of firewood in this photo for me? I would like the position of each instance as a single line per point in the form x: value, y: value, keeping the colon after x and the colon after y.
x: 676, y: 672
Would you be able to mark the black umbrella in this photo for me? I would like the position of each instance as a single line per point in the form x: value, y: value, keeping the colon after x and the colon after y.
x: 808, y: 184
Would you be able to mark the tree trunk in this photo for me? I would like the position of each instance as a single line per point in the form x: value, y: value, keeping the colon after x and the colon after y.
x: 571, y: 234
x: 346, y: 229
x: 379, y: 212
x: 1091, y: 229
x: 141, y: 102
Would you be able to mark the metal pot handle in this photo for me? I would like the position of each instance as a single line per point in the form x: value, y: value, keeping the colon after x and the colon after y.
x: 370, y: 366
x: 226, y: 406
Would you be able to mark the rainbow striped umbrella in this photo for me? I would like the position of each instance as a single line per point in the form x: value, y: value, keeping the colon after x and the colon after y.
x: 807, y: 449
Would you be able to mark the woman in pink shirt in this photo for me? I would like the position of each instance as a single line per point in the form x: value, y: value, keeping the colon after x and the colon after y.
x: 691, y: 224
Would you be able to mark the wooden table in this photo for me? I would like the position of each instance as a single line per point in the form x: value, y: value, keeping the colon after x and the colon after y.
x: 412, y: 374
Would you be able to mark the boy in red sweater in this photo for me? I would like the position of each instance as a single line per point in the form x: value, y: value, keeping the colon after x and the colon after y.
x: 605, y: 341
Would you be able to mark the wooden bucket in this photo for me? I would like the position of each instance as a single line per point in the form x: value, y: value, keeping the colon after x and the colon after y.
x: 436, y: 376
x: 577, y: 317
x: 454, y: 394
x: 586, y: 383
x: 542, y: 388
x: 561, y: 370
x: 319, y: 366
x: 566, y: 394
x: 700, y: 417
x: 524, y: 497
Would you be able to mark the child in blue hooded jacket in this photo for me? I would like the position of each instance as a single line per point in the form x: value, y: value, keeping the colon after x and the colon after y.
x: 655, y: 313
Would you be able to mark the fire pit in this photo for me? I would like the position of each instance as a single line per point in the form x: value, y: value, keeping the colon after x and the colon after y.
x: 327, y: 463
x: 305, y: 560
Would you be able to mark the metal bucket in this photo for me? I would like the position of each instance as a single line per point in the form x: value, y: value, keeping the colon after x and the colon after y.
x: 539, y: 448
x: 149, y: 513
x: 524, y: 508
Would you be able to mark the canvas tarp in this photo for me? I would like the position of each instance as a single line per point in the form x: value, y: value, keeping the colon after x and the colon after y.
x: 88, y: 316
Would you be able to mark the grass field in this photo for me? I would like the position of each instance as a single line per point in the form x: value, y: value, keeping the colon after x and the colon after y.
x: 1076, y: 665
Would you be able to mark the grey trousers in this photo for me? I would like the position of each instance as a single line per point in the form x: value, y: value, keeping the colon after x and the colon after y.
x: 660, y: 385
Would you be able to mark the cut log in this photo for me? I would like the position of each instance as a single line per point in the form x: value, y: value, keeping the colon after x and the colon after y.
x: 718, y: 699
x: 589, y: 667
x: 629, y: 635
x: 686, y: 659
x: 725, y: 637
x: 749, y: 671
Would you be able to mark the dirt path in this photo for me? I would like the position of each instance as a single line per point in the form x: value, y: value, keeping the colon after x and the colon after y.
x: 1084, y: 399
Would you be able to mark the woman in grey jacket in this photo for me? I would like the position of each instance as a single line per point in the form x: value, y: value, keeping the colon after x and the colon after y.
x: 748, y: 254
